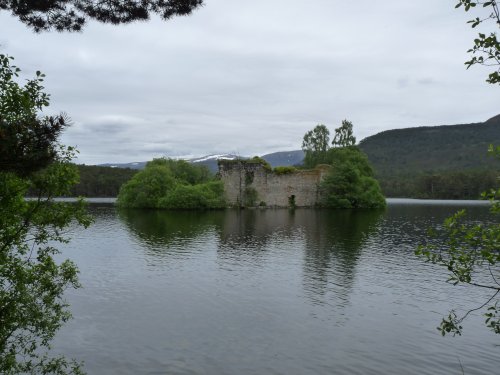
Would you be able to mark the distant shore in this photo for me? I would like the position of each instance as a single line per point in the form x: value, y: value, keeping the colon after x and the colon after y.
x: 390, y: 201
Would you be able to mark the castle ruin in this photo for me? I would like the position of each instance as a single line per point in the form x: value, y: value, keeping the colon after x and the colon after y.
x: 250, y: 183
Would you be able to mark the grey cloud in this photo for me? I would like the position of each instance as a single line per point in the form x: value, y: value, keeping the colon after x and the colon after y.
x: 427, y: 81
x: 257, y: 78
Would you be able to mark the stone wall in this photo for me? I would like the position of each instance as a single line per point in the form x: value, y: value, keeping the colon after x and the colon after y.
x: 248, y: 183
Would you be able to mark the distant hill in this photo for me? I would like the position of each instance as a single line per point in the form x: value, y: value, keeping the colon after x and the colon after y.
x: 442, y: 162
x: 210, y: 161
x: 433, y: 149
x: 282, y: 158
x: 407, y: 151
x: 447, y: 161
x: 135, y: 165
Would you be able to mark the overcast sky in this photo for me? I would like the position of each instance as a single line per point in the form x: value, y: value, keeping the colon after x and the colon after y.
x: 251, y: 77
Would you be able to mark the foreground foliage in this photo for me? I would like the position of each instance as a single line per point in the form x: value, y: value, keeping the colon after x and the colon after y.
x: 486, y: 48
x: 471, y: 254
x: 171, y: 184
x: 72, y: 15
x: 32, y: 282
x: 27, y: 142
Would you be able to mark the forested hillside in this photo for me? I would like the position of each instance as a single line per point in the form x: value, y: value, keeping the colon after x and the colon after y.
x: 98, y: 181
x: 435, y: 162
x: 434, y: 148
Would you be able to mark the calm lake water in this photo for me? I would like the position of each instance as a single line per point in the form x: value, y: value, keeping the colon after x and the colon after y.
x: 269, y: 292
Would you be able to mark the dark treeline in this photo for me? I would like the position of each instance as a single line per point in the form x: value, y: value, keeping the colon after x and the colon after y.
x: 440, y: 185
x: 106, y: 182
x: 101, y: 181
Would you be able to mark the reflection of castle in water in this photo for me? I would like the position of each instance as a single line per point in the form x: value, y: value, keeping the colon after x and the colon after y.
x: 255, y: 228
x: 329, y: 241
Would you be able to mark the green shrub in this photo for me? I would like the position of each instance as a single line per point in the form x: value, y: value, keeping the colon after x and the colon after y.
x: 259, y: 160
x: 250, y: 198
x: 209, y: 195
x: 184, y: 171
x: 166, y: 183
x: 254, y: 160
x: 284, y: 170
x: 249, y: 176
x: 147, y: 187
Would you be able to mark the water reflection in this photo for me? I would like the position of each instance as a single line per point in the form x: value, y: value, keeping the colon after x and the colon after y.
x: 247, y: 235
x: 159, y: 230
x: 334, y: 242
x: 267, y: 291
x: 327, y: 243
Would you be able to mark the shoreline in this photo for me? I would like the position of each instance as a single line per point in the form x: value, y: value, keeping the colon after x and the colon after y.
x: 390, y: 202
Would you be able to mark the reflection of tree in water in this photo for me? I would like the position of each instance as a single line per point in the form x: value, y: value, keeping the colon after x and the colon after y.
x: 334, y: 241
x: 162, y: 231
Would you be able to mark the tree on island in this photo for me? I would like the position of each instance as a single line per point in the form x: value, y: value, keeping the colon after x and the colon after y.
x: 350, y: 182
x: 471, y: 252
x: 72, y: 15
x: 172, y: 184
x: 344, y: 135
x: 32, y: 282
x: 315, y: 146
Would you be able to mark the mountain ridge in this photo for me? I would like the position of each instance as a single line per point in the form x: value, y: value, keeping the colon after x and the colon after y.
x: 280, y: 158
x: 423, y: 149
x: 439, y: 162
